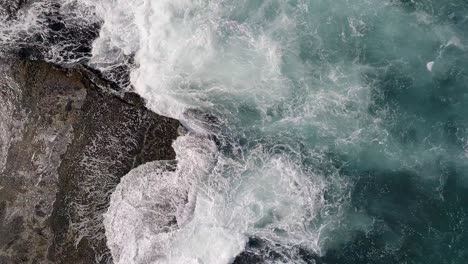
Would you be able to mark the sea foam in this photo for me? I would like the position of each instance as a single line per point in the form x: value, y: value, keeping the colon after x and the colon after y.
x: 206, y: 55
x: 282, y: 100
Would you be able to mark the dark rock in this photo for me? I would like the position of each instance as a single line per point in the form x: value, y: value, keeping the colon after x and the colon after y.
x: 258, y: 251
x: 58, y: 32
x: 65, y: 142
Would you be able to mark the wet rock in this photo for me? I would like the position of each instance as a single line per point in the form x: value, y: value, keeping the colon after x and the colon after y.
x: 57, y: 31
x: 258, y: 251
x: 65, y: 142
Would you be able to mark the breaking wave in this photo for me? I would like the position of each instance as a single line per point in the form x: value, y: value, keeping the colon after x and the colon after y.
x: 294, y: 110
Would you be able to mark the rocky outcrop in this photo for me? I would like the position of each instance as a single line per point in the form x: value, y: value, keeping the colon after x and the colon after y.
x: 65, y: 142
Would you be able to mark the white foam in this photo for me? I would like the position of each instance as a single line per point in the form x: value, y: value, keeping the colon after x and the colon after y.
x: 198, y: 54
x: 183, y: 55
x: 429, y: 66
x: 268, y: 196
x: 140, y: 223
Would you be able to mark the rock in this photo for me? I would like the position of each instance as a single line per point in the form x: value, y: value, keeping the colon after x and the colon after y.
x: 65, y: 142
x: 259, y: 251
x: 51, y: 30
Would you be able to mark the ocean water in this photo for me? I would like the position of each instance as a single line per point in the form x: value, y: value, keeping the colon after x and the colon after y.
x: 316, y: 131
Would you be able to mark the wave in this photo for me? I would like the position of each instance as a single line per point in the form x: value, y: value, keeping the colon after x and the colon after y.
x: 247, y: 72
x: 299, y: 109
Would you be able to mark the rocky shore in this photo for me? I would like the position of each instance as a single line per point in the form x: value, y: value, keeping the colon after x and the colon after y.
x: 65, y: 142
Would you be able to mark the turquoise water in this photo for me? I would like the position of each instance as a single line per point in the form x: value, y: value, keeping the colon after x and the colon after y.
x: 411, y: 186
x: 328, y: 130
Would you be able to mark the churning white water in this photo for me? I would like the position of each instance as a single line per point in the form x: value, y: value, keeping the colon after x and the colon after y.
x: 238, y: 63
